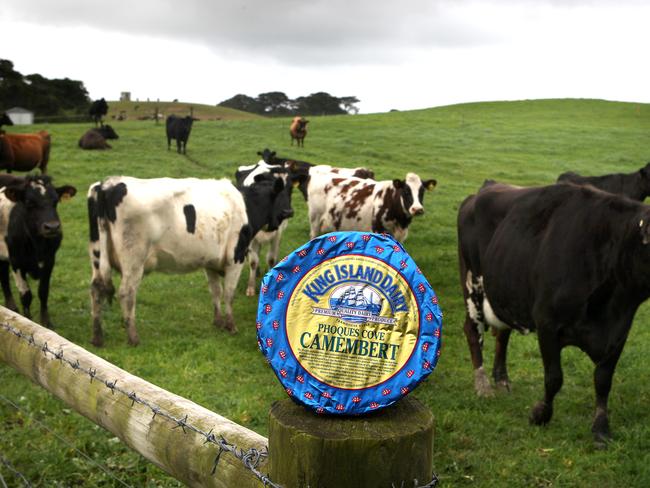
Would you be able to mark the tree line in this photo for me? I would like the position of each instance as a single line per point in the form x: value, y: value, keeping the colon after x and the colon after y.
x: 279, y: 104
x: 41, y: 95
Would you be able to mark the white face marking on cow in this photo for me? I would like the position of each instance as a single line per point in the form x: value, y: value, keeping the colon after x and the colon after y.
x: 414, y: 182
x: 38, y: 186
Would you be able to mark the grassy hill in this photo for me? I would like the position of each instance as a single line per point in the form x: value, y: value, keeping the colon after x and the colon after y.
x: 482, y: 443
x: 147, y: 110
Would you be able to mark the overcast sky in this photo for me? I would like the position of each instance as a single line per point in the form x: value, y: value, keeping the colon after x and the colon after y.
x: 388, y: 53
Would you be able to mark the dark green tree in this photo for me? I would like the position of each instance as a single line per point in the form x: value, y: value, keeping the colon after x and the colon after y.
x: 244, y: 103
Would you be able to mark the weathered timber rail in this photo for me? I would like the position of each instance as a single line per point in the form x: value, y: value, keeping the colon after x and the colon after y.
x: 191, y: 443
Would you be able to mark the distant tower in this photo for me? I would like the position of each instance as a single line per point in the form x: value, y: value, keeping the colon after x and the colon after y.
x: 125, y: 97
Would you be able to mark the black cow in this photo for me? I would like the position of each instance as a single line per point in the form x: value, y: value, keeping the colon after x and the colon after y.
x: 96, y: 138
x: 5, y: 120
x: 31, y: 234
x: 568, y: 261
x: 98, y: 110
x: 178, y: 128
x: 634, y: 185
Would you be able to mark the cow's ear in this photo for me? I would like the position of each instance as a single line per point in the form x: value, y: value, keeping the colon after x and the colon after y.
x: 398, y: 183
x: 66, y: 192
x: 278, y: 185
x: 430, y: 184
x: 15, y: 193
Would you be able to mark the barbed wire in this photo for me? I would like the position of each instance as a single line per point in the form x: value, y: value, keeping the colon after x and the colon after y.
x: 250, y: 458
x: 5, y: 462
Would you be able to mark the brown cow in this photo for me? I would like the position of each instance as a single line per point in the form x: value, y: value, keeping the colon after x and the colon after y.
x: 298, y: 130
x: 24, y: 152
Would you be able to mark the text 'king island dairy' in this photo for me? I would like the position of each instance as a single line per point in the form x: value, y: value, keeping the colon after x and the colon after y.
x: 349, y: 323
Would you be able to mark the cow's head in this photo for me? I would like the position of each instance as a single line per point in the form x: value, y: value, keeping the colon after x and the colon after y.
x: 268, y: 156
x: 5, y: 120
x: 36, y: 201
x: 268, y: 202
x: 412, y: 193
x: 108, y: 132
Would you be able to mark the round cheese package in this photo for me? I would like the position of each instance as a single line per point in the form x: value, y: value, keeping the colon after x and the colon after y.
x: 349, y: 323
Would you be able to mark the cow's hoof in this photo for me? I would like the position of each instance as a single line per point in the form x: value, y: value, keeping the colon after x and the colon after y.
x: 134, y: 341
x: 218, y: 322
x: 250, y: 291
x: 600, y: 430
x: 541, y: 413
x: 503, y: 386
x: 482, y: 384
x: 97, y: 341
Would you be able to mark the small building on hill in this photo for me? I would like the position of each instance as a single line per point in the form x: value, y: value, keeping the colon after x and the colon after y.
x: 125, y: 97
x: 20, y: 116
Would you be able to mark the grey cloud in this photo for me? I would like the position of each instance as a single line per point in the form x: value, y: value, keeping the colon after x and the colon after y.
x: 290, y: 31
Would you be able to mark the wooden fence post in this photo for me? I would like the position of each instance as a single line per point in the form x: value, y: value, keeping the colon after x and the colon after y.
x: 391, y: 447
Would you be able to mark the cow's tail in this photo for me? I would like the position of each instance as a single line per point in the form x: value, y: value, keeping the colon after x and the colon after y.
x: 47, y: 142
x: 245, y: 237
x: 98, y: 246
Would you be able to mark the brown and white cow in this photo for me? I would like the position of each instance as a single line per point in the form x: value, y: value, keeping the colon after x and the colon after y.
x: 175, y: 226
x: 349, y: 203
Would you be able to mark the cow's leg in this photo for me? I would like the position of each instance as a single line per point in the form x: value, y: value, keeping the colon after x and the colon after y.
x: 274, y: 249
x: 500, y: 369
x: 216, y: 290
x: 178, y: 146
x: 253, y: 264
x: 6, y: 287
x: 131, y: 279
x: 550, y: 349
x: 24, y: 291
x: 603, y: 383
x: 44, y: 292
x: 96, y: 295
x: 475, y: 342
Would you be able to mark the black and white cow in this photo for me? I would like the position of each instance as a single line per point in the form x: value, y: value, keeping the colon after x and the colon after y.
x: 634, y: 185
x: 569, y: 261
x: 348, y: 203
x: 177, y: 226
x: 30, y: 231
x: 178, y: 128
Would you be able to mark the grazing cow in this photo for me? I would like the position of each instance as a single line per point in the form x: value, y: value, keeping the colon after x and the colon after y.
x: 24, y: 152
x: 349, y: 203
x: 298, y: 130
x: 568, y: 261
x: 634, y: 185
x: 178, y: 128
x: 98, y: 109
x: 177, y: 226
x: 30, y: 234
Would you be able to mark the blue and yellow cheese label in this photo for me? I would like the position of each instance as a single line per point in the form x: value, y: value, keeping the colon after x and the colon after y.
x: 349, y: 323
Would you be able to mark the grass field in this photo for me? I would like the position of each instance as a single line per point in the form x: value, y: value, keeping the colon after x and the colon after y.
x: 486, y: 443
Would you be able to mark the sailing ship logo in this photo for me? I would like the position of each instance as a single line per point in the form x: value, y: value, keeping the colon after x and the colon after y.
x: 355, y: 304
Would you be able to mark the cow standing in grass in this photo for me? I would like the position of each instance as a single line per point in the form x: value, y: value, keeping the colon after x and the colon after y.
x: 571, y: 262
x: 30, y: 235
x: 24, y: 152
x: 178, y: 128
x: 298, y: 131
x: 98, y: 110
x: 348, y: 203
x: 175, y: 226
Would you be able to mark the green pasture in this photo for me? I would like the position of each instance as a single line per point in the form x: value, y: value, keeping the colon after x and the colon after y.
x: 478, y: 442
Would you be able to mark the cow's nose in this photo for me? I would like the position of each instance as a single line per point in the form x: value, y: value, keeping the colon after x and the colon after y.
x: 417, y: 210
x: 287, y: 214
x: 51, y: 227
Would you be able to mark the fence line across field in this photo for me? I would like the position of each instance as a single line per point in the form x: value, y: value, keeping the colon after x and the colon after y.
x: 194, y: 445
x: 210, y: 450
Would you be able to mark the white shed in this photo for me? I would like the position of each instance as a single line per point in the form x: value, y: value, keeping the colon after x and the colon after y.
x: 20, y: 116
